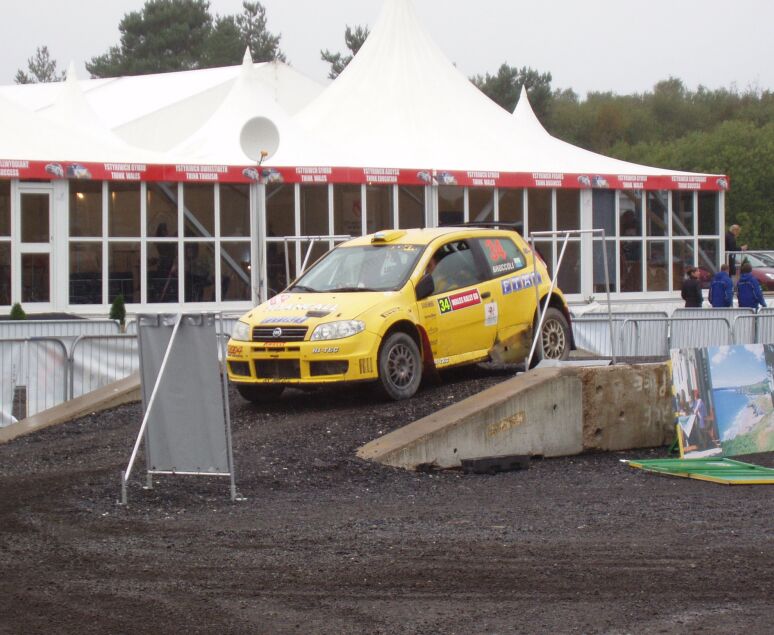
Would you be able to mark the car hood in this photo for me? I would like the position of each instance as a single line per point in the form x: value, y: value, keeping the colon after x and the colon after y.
x: 311, y: 309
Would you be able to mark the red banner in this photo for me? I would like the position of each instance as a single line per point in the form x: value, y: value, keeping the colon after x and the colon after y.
x: 320, y: 175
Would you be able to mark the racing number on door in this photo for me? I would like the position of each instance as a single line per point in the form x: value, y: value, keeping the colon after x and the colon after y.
x: 496, y: 250
x: 445, y: 305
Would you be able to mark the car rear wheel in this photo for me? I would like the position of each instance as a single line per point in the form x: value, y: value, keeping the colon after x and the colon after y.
x: 259, y: 394
x: 400, y: 366
x: 554, y: 336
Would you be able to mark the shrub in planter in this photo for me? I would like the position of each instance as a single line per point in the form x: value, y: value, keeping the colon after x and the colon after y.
x: 17, y: 313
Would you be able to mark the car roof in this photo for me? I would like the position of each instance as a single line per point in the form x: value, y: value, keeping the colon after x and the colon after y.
x: 424, y: 236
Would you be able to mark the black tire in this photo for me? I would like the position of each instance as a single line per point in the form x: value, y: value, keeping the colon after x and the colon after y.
x: 260, y: 394
x: 400, y: 366
x: 554, y: 337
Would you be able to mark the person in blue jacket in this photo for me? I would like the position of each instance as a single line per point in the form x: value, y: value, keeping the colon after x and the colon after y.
x: 721, y: 291
x: 748, y: 289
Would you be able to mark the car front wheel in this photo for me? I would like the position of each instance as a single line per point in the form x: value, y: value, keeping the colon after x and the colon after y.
x: 400, y: 366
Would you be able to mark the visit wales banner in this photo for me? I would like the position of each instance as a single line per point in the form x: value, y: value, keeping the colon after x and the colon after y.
x: 724, y: 399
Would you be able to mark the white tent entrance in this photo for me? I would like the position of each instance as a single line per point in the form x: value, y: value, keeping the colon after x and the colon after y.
x: 186, y: 425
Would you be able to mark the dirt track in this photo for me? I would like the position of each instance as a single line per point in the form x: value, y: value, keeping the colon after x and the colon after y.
x: 326, y: 543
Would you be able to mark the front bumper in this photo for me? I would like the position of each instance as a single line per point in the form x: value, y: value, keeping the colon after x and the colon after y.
x: 302, y: 363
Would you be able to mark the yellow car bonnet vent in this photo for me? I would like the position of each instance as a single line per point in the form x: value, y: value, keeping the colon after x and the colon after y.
x: 387, y: 236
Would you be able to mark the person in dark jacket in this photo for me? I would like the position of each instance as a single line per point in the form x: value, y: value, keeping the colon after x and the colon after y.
x: 748, y: 289
x: 732, y: 245
x: 721, y: 291
x: 691, y: 291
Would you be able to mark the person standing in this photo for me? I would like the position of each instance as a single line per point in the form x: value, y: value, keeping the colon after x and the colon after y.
x: 691, y: 290
x: 748, y: 289
x: 721, y: 291
x: 731, y: 245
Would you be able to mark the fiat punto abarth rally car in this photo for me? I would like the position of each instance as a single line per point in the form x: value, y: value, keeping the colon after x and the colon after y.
x: 393, y: 305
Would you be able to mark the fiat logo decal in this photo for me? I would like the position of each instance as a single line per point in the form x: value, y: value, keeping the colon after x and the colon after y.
x: 276, y: 333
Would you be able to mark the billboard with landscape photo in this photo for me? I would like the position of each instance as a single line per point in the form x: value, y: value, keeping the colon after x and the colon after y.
x: 724, y: 399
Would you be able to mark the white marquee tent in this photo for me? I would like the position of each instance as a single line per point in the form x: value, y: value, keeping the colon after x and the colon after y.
x: 400, y: 104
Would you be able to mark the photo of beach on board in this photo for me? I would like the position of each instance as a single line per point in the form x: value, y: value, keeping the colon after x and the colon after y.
x: 724, y: 399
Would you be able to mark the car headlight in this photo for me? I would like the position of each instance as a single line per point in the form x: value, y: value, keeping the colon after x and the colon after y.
x: 241, y: 332
x: 770, y: 276
x: 338, y: 330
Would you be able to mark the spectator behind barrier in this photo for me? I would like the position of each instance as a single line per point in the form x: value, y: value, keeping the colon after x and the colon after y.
x: 721, y: 291
x: 691, y: 291
x: 731, y: 245
x: 748, y: 289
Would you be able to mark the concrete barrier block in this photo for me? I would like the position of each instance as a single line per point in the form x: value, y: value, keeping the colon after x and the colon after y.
x: 626, y: 407
x: 537, y: 413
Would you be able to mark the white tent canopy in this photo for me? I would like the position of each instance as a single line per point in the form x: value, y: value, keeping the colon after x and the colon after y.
x: 400, y: 104
x: 219, y: 139
x: 32, y: 137
x: 544, y: 153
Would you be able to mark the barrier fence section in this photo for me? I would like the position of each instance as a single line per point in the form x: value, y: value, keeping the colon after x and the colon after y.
x: 24, y: 329
x: 745, y: 330
x: 33, y: 377
x: 765, y: 327
x: 592, y: 331
x: 645, y: 336
x: 98, y: 360
x: 653, y: 334
x: 37, y: 373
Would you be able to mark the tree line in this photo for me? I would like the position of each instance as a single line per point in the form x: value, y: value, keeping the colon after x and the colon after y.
x: 722, y: 130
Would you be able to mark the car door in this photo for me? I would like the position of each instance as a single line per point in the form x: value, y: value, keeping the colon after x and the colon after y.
x: 455, y: 313
x: 512, y: 295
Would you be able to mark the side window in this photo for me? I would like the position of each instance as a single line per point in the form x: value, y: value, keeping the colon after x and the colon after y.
x: 453, y: 266
x: 502, y: 256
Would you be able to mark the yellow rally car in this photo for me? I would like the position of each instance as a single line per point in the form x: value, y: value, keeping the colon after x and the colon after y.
x: 392, y: 305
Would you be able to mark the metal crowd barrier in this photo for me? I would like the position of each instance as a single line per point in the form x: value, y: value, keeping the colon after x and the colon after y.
x: 37, y: 373
x: 592, y: 331
x: 24, y: 329
x: 654, y: 334
x: 742, y: 326
x: 33, y: 376
x: 765, y: 327
x: 645, y: 336
x: 695, y: 332
x: 98, y: 360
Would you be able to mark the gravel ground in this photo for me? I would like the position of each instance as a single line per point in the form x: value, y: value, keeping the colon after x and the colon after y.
x: 327, y: 543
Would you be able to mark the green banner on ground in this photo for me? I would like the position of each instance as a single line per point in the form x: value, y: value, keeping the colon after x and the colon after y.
x: 716, y: 470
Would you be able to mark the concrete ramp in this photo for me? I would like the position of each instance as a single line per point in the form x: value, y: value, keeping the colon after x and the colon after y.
x: 547, y: 412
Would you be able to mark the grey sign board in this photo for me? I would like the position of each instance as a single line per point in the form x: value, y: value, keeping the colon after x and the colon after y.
x: 186, y: 424
x: 186, y: 430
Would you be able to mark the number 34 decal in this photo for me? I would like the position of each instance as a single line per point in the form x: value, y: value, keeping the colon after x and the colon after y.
x: 496, y: 251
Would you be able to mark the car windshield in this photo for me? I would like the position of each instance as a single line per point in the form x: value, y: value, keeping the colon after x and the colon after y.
x: 361, y: 268
x: 759, y: 260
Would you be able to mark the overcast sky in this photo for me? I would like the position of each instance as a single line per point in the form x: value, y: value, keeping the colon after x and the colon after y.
x: 595, y: 45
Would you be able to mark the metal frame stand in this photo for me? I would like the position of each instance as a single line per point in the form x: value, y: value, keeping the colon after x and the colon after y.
x: 125, y: 475
x: 541, y: 313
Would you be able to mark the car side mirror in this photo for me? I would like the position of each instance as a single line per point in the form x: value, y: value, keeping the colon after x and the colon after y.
x: 425, y: 287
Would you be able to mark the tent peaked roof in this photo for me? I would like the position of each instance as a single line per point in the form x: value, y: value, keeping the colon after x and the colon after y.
x: 71, y: 108
x: 540, y: 151
x: 218, y: 139
x: 401, y: 102
x: 29, y: 136
x: 526, y: 122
